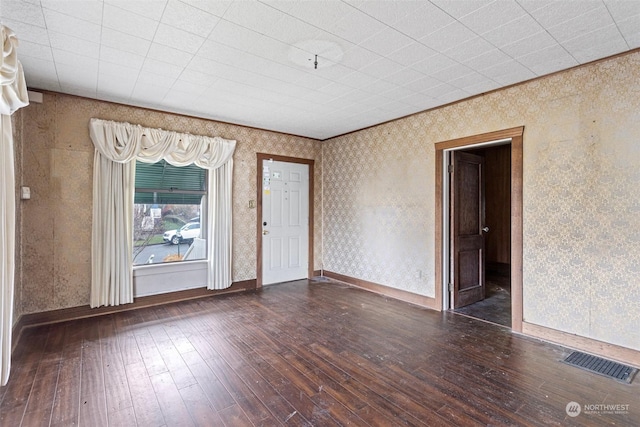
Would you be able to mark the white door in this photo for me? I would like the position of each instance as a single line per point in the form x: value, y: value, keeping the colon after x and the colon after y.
x: 285, y: 221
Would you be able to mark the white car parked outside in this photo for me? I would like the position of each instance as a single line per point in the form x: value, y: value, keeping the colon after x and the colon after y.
x: 187, y: 232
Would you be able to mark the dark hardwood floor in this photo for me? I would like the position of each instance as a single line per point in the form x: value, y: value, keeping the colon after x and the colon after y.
x: 300, y: 353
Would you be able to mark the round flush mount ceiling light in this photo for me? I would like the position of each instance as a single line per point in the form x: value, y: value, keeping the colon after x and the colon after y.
x: 315, y: 54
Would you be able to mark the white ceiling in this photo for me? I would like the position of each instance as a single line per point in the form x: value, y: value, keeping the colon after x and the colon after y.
x: 240, y: 61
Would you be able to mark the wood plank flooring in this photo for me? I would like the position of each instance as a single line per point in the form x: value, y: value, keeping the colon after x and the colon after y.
x: 301, y: 353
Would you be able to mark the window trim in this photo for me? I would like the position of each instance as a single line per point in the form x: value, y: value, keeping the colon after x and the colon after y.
x: 155, y: 279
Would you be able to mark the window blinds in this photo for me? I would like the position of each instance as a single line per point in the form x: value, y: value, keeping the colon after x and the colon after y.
x: 163, y: 183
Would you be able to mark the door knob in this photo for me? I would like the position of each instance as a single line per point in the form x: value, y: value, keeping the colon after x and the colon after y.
x: 485, y: 229
x: 265, y: 232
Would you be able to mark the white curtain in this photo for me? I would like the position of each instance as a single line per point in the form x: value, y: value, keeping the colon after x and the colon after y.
x: 219, y: 232
x: 118, y: 146
x: 112, y: 232
x: 14, y: 96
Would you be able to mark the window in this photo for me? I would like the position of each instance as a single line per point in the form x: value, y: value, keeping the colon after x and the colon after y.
x: 169, y: 208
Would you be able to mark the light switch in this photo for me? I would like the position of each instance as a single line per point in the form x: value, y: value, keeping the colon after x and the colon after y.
x: 25, y: 193
x: 252, y: 204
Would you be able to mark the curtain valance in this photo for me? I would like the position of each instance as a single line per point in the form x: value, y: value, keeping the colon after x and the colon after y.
x: 123, y: 142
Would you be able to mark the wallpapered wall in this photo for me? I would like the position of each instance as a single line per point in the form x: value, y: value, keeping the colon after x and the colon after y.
x: 57, y: 160
x: 581, y: 197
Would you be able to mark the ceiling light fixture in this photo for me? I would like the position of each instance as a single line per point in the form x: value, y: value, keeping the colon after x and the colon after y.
x: 308, y: 52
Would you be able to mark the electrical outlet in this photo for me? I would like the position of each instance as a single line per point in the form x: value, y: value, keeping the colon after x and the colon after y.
x: 25, y: 193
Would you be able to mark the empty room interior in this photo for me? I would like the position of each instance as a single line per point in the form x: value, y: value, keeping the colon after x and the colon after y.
x: 341, y: 212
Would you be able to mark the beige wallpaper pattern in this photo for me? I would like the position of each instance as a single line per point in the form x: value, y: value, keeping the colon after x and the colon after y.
x: 58, y: 165
x: 378, y: 216
x: 581, y: 197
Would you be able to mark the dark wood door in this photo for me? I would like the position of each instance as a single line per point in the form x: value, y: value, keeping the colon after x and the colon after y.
x: 467, y: 223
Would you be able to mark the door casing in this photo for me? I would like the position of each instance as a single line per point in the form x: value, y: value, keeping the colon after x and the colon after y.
x: 310, y: 163
x: 442, y: 250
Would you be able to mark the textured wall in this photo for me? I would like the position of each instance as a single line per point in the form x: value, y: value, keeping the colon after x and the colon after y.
x: 58, y: 157
x: 581, y: 197
x: 378, y: 212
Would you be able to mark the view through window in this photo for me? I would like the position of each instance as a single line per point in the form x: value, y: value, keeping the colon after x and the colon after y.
x: 169, y: 213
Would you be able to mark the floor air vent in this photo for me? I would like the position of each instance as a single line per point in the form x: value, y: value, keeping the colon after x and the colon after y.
x: 601, y: 366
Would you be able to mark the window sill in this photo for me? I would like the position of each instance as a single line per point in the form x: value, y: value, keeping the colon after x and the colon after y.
x: 169, y: 277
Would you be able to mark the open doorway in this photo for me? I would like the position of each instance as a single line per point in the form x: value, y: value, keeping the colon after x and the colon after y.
x: 492, y: 299
x: 463, y: 267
